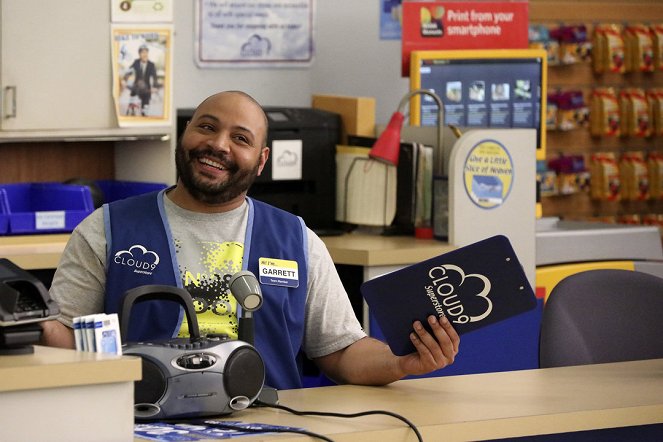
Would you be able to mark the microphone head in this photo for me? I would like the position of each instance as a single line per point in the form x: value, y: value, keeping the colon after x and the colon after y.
x: 246, y: 289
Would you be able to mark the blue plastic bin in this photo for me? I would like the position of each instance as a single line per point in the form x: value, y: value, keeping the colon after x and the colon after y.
x: 114, y: 190
x: 28, y: 208
x: 4, y: 213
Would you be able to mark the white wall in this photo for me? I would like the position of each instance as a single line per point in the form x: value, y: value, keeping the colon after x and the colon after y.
x: 350, y: 59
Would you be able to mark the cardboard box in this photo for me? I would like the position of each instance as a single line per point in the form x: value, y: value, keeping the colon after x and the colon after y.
x: 357, y: 113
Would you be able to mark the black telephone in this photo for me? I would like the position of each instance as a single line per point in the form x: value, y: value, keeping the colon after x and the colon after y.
x: 24, y: 302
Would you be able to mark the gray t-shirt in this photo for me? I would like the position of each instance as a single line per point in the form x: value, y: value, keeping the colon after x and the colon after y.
x: 209, y: 250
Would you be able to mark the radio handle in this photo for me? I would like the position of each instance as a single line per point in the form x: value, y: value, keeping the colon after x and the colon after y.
x: 152, y: 292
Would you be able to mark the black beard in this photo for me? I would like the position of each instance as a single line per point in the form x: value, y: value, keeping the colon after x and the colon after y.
x: 213, y: 193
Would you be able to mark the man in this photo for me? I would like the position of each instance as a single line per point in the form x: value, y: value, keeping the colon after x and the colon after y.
x: 145, y: 78
x: 204, y: 229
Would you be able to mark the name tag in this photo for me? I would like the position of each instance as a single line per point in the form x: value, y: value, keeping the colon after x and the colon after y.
x: 279, y: 272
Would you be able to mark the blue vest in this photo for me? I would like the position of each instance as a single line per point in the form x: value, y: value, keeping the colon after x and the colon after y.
x: 141, y: 251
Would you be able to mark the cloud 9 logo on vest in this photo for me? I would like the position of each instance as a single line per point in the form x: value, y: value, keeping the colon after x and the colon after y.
x: 138, y: 258
x: 461, y: 297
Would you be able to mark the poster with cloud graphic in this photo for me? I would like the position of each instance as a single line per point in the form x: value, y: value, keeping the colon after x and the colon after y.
x: 473, y: 286
x: 254, y: 34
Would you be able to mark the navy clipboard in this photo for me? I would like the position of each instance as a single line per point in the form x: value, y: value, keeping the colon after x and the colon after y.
x: 474, y: 286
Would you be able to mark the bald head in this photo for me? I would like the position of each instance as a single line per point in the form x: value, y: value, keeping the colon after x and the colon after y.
x: 221, y: 152
x: 236, y: 97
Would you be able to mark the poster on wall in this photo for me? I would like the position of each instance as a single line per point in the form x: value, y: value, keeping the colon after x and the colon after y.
x: 142, y: 74
x: 142, y: 11
x: 390, y: 19
x: 272, y: 33
x: 462, y: 25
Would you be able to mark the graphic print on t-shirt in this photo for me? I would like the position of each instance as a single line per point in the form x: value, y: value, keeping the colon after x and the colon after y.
x: 206, y: 269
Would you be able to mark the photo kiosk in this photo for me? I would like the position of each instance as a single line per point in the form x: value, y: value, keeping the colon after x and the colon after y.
x: 492, y: 88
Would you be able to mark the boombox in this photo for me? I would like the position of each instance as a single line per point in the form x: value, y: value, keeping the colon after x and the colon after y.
x: 190, y: 377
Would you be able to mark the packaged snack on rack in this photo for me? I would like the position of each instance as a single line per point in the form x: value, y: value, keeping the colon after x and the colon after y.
x: 567, y: 183
x: 629, y: 218
x: 655, y: 106
x: 608, y: 49
x: 634, y: 113
x: 634, y: 176
x: 548, y: 183
x: 571, y: 173
x: 539, y: 38
x: 609, y: 219
x: 604, y: 113
x: 546, y: 179
x: 640, y: 189
x: 657, y: 45
x: 594, y: 184
x: 551, y: 111
x: 639, y: 48
x: 605, y: 178
x: 574, y: 46
x: 625, y: 174
x: 572, y: 112
x: 655, y: 173
x: 653, y: 219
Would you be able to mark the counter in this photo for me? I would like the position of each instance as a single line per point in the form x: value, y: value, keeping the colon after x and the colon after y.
x: 362, y: 249
x: 376, y: 250
x: 67, y: 394
x: 32, y: 252
x: 483, y: 406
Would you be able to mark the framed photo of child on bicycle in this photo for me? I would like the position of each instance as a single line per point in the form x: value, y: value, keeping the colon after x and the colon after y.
x: 142, y: 74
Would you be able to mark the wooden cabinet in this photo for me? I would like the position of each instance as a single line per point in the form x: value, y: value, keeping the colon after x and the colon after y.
x: 57, y: 111
x: 580, y: 76
x: 56, y: 65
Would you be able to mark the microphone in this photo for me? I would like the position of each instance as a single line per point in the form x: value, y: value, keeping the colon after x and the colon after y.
x: 246, y: 289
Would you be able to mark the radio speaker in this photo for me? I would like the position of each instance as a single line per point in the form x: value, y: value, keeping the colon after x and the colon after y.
x: 190, y: 377
x: 152, y: 385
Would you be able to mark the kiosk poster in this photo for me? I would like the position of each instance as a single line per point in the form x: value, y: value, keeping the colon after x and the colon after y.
x: 462, y: 25
x: 142, y: 74
x: 269, y: 33
x: 488, y: 174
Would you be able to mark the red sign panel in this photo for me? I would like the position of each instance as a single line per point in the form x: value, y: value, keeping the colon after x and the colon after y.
x: 462, y: 25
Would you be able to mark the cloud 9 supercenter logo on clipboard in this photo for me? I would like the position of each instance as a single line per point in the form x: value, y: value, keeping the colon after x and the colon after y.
x: 473, y: 286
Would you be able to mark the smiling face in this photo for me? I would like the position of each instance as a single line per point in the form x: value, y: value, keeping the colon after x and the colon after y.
x: 220, y: 153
